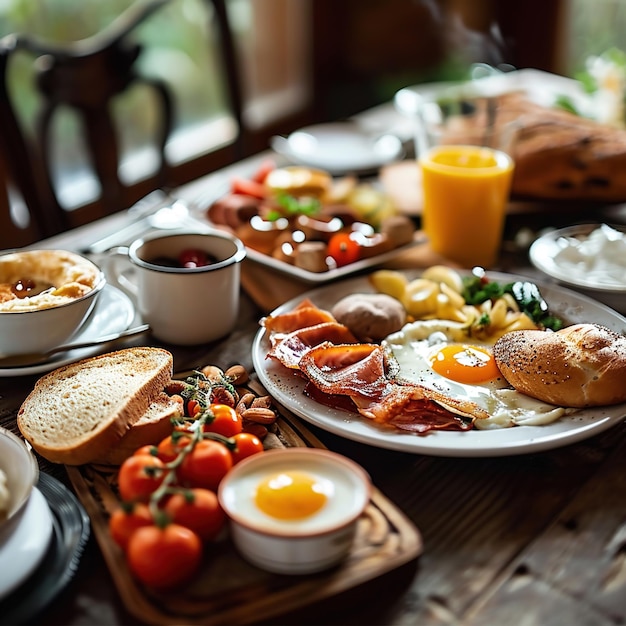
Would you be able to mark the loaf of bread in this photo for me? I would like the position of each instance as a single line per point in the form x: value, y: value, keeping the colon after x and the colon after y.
x: 558, y: 155
x: 80, y: 412
x: 578, y: 366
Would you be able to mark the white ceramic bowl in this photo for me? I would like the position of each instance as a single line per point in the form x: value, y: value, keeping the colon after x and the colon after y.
x: 301, y: 545
x: 559, y: 255
x: 40, y: 322
x: 22, y: 472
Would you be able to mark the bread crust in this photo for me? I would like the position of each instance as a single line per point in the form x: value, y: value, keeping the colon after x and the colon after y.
x: 578, y: 366
x: 80, y: 411
x: 151, y: 428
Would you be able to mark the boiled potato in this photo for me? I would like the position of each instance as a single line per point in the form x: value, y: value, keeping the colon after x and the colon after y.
x: 390, y: 282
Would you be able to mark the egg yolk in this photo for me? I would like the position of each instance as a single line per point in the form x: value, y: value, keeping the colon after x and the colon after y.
x: 465, y: 364
x: 290, y: 495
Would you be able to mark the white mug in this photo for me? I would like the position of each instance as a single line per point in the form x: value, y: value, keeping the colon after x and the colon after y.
x: 182, y: 305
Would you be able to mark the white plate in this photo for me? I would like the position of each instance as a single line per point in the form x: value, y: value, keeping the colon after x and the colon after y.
x: 339, y: 148
x: 114, y: 311
x: 26, y: 546
x: 288, y: 389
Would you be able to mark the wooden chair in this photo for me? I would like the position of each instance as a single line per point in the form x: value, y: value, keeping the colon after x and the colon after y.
x: 21, y: 180
x: 86, y: 76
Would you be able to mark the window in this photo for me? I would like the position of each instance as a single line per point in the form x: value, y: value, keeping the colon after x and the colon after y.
x: 591, y: 27
x: 180, y: 48
x: 274, y: 43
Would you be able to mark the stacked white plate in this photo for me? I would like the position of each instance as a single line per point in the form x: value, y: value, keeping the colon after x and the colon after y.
x: 25, y: 533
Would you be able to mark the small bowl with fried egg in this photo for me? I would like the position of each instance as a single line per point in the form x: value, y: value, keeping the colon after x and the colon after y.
x: 295, y: 510
x: 45, y: 297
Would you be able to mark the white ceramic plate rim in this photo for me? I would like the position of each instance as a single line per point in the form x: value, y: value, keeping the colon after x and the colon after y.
x: 544, y: 250
x: 26, y: 546
x: 113, y: 312
x: 342, y: 147
x: 287, y: 389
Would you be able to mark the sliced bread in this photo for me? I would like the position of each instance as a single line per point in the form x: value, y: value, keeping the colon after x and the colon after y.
x: 152, y: 427
x: 76, y: 413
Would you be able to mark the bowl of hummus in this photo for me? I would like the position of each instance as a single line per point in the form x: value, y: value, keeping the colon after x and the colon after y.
x: 45, y: 297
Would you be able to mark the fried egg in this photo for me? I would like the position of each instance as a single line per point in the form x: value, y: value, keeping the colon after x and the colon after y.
x: 441, y: 355
x: 296, y: 494
x: 292, y: 495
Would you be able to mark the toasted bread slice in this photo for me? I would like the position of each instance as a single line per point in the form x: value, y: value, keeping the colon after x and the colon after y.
x: 78, y: 412
x: 152, y: 427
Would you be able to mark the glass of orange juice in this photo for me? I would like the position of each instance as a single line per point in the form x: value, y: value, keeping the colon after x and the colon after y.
x: 465, y: 189
x: 466, y: 179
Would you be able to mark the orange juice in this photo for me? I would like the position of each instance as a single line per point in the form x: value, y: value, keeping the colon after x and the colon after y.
x: 466, y: 189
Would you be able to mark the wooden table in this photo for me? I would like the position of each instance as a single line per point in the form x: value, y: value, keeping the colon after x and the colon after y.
x: 531, y: 539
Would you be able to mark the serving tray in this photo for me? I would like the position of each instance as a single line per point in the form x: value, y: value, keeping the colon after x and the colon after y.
x: 230, y: 590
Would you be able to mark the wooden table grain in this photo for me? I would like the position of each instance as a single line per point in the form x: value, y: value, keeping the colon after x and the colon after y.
x: 530, y: 539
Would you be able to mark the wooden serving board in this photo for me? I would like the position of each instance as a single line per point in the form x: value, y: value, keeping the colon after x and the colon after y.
x: 230, y: 590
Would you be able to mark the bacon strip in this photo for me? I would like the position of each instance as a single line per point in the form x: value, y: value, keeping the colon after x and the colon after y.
x: 354, y: 369
x: 290, y: 348
x: 358, y: 371
x: 305, y: 314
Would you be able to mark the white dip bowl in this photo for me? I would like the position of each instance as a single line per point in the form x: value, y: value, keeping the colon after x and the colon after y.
x: 45, y: 297
x: 590, y: 258
x: 297, y: 544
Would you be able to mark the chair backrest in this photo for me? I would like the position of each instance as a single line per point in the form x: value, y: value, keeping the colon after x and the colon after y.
x: 26, y: 212
x: 85, y: 76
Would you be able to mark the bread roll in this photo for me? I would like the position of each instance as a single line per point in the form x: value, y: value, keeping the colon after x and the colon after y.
x: 370, y: 316
x: 79, y: 412
x: 578, y: 366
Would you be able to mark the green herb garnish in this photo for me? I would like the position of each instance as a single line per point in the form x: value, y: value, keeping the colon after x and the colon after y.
x: 290, y: 206
x: 477, y: 289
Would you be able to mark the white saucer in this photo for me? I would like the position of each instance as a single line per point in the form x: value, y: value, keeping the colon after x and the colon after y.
x: 114, y: 311
x: 26, y: 546
x: 339, y: 148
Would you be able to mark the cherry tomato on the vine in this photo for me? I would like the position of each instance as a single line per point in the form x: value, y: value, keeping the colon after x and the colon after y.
x: 147, y: 449
x: 139, y: 476
x: 246, y: 444
x: 226, y: 421
x: 193, y: 407
x: 124, y: 521
x: 343, y: 249
x: 205, y: 465
x: 170, y: 447
x: 197, y: 509
x: 164, y: 558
